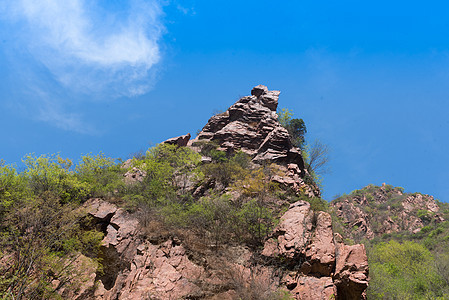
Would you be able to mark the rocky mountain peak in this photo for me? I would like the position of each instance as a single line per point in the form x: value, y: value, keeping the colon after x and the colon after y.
x: 251, y: 125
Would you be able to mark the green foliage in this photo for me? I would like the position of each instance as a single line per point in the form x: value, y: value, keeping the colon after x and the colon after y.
x: 43, y: 240
x: 227, y: 171
x: 316, y: 155
x: 168, y: 169
x: 12, y: 188
x: 102, y: 174
x: 256, y: 220
x: 295, y: 127
x: 222, y: 220
x: 223, y: 173
x: 318, y: 204
x: 52, y: 174
x: 404, y: 271
x: 256, y: 183
x: 424, y: 215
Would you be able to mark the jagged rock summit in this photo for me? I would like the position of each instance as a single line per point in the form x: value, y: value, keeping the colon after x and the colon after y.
x: 251, y: 125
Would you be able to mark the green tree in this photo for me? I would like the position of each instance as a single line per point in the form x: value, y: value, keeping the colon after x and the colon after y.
x: 51, y: 173
x: 403, y: 271
x: 42, y: 240
x: 101, y: 173
x: 295, y: 127
x: 12, y: 188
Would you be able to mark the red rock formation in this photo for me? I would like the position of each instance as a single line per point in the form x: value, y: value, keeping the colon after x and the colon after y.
x: 351, y: 272
x: 135, y: 268
x: 304, y: 240
x: 251, y: 125
x: 180, y: 141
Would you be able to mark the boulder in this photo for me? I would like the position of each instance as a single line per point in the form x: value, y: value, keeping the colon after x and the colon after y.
x: 320, y: 253
x: 180, y: 141
x: 313, y: 288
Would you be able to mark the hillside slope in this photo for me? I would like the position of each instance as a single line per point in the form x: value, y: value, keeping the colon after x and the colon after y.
x: 231, y: 214
x: 377, y: 210
x: 407, y: 240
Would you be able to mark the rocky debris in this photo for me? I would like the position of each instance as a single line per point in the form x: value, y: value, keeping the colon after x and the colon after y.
x: 304, y: 241
x: 251, y: 125
x: 374, y: 211
x: 419, y: 201
x: 354, y: 217
x: 180, y: 141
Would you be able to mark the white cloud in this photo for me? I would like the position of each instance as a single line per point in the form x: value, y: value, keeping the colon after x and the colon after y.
x: 51, y: 113
x: 89, y: 48
x: 65, y: 53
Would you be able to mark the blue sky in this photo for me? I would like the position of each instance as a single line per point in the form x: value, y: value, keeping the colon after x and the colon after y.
x: 369, y: 78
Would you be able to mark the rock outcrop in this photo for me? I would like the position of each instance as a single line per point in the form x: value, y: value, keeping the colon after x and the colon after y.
x: 374, y: 211
x: 320, y: 267
x: 251, y: 125
x: 138, y: 267
x: 302, y: 256
x: 180, y: 141
x: 134, y: 268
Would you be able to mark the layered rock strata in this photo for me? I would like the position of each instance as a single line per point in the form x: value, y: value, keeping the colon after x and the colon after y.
x: 251, y: 125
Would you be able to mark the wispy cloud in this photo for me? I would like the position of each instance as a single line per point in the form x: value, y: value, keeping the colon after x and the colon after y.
x: 89, y: 48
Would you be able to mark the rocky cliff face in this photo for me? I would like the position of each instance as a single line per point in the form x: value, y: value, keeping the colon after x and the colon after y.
x: 374, y: 211
x: 320, y: 264
x: 303, y: 257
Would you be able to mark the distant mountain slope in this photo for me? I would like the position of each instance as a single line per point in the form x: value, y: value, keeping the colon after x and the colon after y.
x: 407, y: 240
x: 377, y: 210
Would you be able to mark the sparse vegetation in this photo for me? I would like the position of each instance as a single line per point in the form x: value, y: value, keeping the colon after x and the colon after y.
x: 403, y: 264
x: 223, y: 202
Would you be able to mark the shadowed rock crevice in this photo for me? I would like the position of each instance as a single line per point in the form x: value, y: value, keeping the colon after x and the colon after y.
x: 112, y: 266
